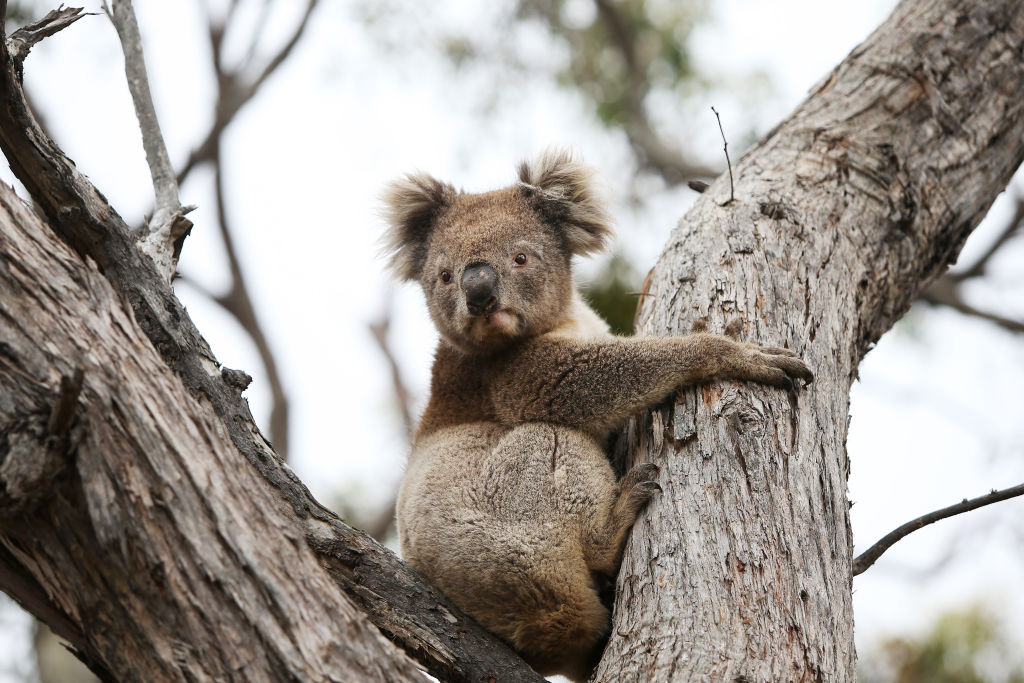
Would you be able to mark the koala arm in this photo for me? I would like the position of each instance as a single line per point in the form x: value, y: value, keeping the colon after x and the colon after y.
x: 595, y: 385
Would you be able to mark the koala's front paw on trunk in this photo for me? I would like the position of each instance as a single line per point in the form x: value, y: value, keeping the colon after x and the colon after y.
x: 771, y: 365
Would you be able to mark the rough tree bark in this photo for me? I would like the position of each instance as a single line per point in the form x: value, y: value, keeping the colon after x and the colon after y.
x: 742, y: 570
x: 145, y: 519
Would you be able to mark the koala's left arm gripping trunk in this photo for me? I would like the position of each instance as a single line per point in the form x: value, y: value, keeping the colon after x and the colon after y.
x: 595, y: 385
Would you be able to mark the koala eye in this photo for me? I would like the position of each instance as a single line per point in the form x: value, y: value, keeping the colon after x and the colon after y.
x: 520, y: 259
x: 446, y: 277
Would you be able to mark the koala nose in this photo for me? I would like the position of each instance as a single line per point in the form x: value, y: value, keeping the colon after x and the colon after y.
x: 478, y: 282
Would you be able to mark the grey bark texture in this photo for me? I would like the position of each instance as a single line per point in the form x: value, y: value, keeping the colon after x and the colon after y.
x: 741, y: 571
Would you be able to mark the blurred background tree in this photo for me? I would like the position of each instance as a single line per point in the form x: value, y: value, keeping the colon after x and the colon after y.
x: 968, y: 645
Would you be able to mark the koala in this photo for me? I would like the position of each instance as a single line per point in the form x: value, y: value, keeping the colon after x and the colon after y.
x: 509, y: 503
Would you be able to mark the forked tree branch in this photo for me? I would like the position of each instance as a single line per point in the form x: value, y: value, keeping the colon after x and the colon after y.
x: 168, y: 226
x: 233, y: 92
x: 871, y: 555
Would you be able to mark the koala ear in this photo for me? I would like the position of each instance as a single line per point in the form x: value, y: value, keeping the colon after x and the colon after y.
x: 562, y: 193
x: 412, y: 206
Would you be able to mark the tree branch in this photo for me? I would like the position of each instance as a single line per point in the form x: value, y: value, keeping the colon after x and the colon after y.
x: 871, y: 555
x: 944, y: 292
x: 238, y: 303
x: 22, y: 40
x: 652, y: 150
x: 234, y: 94
x: 379, y: 526
x: 167, y: 226
x: 231, y: 96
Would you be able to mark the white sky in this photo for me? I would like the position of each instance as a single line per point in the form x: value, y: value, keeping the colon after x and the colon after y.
x: 936, y: 417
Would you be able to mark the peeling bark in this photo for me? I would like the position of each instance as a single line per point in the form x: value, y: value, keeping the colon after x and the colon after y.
x: 741, y: 571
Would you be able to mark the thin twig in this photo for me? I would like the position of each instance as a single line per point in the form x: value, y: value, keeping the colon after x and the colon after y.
x: 869, y: 556
x: 168, y: 224
x: 238, y: 302
x: 725, y: 148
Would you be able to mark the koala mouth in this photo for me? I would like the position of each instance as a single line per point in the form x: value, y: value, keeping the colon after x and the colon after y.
x: 503, y: 321
x: 499, y: 323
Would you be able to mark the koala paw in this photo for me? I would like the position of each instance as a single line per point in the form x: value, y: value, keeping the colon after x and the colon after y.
x: 637, y: 488
x: 644, y: 472
x: 774, y: 365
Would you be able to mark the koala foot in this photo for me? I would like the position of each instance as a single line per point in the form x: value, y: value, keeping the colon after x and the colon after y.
x: 636, y: 488
x: 634, y: 491
x: 645, y: 471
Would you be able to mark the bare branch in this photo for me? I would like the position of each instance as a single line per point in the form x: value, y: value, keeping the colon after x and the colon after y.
x: 379, y: 330
x: 238, y: 303
x: 944, y: 292
x: 652, y: 150
x: 381, y: 524
x: 233, y: 94
x: 168, y: 225
x: 651, y: 147
x: 22, y: 40
x: 869, y: 556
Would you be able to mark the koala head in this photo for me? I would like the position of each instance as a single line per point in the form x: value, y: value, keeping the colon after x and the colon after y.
x: 496, y: 267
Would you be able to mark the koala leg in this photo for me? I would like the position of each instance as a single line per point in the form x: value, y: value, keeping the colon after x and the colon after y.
x: 632, y: 493
x: 566, y: 631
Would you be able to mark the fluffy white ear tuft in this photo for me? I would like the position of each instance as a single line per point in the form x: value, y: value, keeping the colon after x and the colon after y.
x: 412, y: 206
x: 562, y: 192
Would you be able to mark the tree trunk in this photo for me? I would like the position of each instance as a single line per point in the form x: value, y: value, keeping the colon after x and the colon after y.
x: 741, y: 571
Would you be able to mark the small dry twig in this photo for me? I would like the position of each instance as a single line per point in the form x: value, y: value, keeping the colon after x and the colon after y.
x: 725, y: 148
x: 869, y: 556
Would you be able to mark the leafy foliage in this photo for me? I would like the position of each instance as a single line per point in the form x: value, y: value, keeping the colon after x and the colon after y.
x: 964, y: 646
x: 614, y: 294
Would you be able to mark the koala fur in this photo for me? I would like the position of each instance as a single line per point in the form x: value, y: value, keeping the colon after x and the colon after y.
x: 509, y: 503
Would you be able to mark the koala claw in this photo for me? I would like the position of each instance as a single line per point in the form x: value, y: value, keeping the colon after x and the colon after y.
x: 644, y: 472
